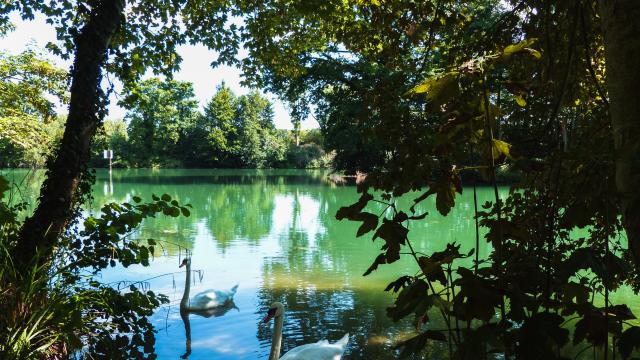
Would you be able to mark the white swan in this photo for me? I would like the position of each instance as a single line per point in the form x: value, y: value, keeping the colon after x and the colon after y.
x: 322, y: 350
x: 205, y: 300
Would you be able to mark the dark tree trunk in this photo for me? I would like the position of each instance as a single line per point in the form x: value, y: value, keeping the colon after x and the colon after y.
x: 58, y: 193
x: 621, y: 26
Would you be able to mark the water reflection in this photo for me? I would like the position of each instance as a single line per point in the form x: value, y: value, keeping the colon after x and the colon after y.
x: 206, y: 313
x: 275, y: 233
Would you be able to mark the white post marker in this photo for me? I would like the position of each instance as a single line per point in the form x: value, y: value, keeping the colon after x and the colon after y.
x: 108, y: 154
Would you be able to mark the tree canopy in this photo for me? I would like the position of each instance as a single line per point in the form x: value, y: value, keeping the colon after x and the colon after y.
x: 432, y: 96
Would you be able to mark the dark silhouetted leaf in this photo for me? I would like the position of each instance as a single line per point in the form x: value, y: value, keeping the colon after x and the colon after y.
x: 380, y: 259
x: 369, y: 222
x: 418, y: 342
x: 398, y: 284
x: 629, y: 340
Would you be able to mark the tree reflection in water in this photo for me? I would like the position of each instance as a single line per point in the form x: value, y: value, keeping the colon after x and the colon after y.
x: 275, y: 233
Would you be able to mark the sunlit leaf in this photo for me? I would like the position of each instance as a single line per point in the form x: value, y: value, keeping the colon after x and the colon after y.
x: 500, y: 149
x: 438, y: 90
x: 524, y: 45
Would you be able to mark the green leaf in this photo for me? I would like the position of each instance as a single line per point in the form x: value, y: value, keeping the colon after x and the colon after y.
x: 380, y: 259
x: 577, y: 291
x: 409, y: 299
x: 445, y: 198
x: 166, y: 197
x: 398, y: 284
x: 524, y: 45
x: 136, y: 199
x: 439, y: 90
x: 432, y: 269
x: 185, y: 211
x: 535, y: 53
x: 500, y: 149
x: 621, y: 312
x: 520, y: 99
x: 541, y: 335
x: 349, y: 212
x: 478, y: 298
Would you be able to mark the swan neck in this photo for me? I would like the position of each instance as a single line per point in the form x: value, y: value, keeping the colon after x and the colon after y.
x: 187, y: 287
x: 276, y: 342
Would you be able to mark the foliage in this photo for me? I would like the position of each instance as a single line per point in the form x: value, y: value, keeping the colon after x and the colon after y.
x: 438, y: 90
x: 158, y: 113
x: 111, y: 135
x: 20, y: 141
x: 422, y: 92
x: 218, y: 127
x: 165, y: 129
x: 304, y: 156
x: 60, y: 308
x: 27, y: 80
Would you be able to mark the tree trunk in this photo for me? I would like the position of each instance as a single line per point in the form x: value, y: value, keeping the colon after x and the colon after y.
x: 58, y: 195
x: 622, y: 51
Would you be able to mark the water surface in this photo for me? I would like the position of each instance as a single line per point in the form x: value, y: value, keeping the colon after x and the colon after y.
x: 274, y: 233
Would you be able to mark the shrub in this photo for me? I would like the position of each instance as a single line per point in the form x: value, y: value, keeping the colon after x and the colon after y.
x: 57, y: 308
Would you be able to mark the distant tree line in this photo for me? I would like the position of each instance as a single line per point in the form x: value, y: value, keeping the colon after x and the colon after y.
x: 163, y: 126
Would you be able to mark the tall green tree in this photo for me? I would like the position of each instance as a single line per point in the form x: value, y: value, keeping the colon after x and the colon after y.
x: 28, y: 85
x: 100, y: 38
x: 111, y: 135
x: 159, y: 113
x: 254, y: 122
x: 28, y: 82
x: 220, y: 127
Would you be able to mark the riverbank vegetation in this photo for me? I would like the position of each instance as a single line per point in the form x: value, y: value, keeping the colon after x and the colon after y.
x: 418, y: 94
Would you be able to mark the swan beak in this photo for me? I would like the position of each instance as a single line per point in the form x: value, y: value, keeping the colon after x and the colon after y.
x: 270, y: 315
x: 181, y: 265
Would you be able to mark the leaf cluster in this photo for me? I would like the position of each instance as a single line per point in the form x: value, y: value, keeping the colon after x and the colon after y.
x: 60, y: 308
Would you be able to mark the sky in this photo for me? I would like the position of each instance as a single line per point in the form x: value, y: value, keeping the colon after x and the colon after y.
x: 195, y: 68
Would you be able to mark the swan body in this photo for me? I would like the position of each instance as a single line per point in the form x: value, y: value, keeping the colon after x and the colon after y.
x: 322, y: 350
x: 212, y: 298
x: 208, y: 299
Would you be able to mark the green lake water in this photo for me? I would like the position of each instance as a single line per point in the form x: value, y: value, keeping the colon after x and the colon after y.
x: 274, y: 233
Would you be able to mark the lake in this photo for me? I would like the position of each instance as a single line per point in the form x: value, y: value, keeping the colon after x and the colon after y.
x: 274, y: 233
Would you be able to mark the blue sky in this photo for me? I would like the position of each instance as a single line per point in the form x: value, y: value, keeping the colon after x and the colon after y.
x: 195, y: 68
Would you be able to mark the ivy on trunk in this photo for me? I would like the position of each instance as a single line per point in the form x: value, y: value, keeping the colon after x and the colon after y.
x: 58, y: 193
